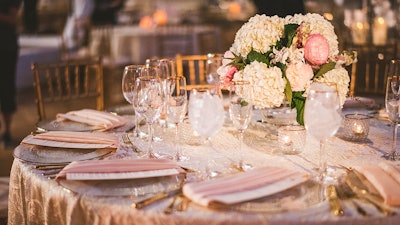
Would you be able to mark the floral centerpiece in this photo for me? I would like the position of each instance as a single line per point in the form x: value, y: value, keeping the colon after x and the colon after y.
x: 281, y: 57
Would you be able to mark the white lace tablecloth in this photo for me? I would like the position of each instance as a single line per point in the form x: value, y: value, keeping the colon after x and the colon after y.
x: 34, y: 199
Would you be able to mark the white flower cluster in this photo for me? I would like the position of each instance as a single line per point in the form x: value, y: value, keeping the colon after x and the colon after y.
x: 259, y: 34
x: 299, y: 59
x: 268, y: 84
x: 341, y: 78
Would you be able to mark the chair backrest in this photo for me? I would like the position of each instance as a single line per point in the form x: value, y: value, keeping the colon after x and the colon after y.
x: 68, y: 84
x: 368, y: 76
x: 193, y: 67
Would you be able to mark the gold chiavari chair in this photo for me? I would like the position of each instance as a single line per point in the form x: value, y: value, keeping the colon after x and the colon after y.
x: 68, y: 84
x: 368, y: 76
x: 193, y: 67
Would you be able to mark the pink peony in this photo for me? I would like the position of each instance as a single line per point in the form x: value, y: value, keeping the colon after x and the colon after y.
x: 316, y: 49
x: 299, y: 75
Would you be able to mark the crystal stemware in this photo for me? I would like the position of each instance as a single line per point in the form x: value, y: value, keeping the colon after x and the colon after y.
x: 214, y: 61
x: 392, y: 102
x: 148, y: 102
x: 322, y: 117
x: 131, y: 72
x: 176, y: 99
x: 206, y: 115
x: 240, y: 110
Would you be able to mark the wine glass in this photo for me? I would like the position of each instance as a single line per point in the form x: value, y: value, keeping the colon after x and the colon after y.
x: 131, y: 72
x: 148, y: 102
x: 176, y: 99
x: 392, y: 102
x: 167, y: 69
x: 322, y: 117
x: 214, y: 61
x: 240, y: 110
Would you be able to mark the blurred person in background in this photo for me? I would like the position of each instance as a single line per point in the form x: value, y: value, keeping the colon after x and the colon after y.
x: 281, y: 8
x: 77, y: 28
x: 106, y: 11
x: 30, y: 16
x: 8, y: 64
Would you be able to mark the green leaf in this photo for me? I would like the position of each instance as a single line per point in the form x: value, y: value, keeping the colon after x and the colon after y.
x: 288, y: 92
x: 325, y: 68
x: 256, y: 56
x: 243, y: 103
x: 290, y: 32
x: 298, y: 102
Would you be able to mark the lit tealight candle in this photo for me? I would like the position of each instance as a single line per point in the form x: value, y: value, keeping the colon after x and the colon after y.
x: 358, y: 129
x: 286, y: 141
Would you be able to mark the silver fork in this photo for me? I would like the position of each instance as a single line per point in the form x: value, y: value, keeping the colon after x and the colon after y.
x: 127, y: 141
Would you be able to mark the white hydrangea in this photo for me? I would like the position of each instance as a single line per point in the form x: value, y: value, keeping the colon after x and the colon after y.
x: 268, y: 84
x: 259, y: 33
x: 313, y: 23
x: 341, y: 78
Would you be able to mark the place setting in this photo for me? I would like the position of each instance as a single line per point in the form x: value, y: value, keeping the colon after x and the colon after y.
x: 122, y: 177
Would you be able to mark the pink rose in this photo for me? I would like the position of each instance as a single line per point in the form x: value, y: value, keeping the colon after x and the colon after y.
x: 229, y: 73
x: 226, y: 71
x: 299, y: 75
x: 316, y: 49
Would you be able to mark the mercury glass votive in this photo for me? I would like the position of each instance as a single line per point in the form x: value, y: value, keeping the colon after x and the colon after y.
x: 292, y: 139
x: 356, y: 127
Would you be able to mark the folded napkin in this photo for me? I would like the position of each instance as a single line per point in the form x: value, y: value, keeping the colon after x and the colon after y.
x: 73, y: 139
x: 385, y: 178
x: 119, y: 169
x: 244, y: 186
x: 103, y: 120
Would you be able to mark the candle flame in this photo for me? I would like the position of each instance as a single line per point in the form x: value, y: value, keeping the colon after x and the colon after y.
x: 160, y: 17
x: 146, y: 22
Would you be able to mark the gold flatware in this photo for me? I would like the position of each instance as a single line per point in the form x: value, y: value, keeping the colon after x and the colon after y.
x: 155, y: 198
x: 359, y: 188
x: 170, y: 207
x: 50, y: 167
x: 344, y: 192
x: 128, y: 141
x: 334, y: 203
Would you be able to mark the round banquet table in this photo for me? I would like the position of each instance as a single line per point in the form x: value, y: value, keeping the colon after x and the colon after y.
x: 35, y: 199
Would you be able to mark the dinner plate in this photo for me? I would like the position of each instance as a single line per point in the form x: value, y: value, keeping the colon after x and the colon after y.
x: 124, y: 187
x: 299, y: 197
x: 49, y: 155
x: 359, y: 102
x: 66, y: 125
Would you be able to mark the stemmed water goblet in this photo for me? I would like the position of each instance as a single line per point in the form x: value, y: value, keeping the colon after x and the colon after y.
x: 392, y: 102
x: 148, y: 102
x: 322, y: 118
x: 206, y: 115
x: 240, y: 110
x: 131, y: 72
x: 176, y: 104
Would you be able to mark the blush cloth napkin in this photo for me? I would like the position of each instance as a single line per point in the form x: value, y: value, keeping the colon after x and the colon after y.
x: 119, y: 169
x: 103, y: 120
x: 246, y: 186
x: 73, y: 139
x: 385, y: 178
